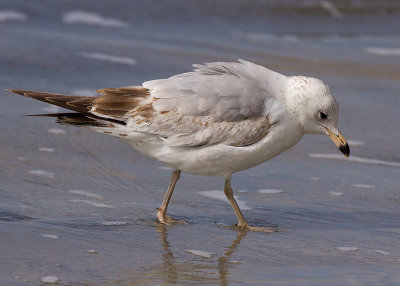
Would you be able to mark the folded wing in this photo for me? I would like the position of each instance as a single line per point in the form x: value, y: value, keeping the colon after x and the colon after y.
x: 216, y: 103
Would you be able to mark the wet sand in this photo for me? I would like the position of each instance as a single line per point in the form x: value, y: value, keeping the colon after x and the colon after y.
x: 78, y: 208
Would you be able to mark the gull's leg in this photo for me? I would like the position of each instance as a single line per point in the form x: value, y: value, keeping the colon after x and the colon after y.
x: 242, y: 221
x: 229, y: 194
x: 162, y: 210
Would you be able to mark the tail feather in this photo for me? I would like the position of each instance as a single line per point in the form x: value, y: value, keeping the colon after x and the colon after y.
x: 76, y: 119
x: 80, y: 104
x: 76, y: 103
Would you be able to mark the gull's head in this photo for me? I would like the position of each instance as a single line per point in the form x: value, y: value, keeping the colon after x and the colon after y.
x: 310, y: 101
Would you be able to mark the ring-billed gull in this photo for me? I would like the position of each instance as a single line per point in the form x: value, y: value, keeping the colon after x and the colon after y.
x: 219, y: 119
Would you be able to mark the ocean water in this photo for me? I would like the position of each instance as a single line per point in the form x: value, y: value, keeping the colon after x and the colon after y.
x: 78, y: 208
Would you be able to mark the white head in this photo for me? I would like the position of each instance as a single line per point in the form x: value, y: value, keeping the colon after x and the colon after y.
x: 309, y: 100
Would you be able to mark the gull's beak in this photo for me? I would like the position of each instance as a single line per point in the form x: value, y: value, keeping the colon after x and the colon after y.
x: 340, y: 142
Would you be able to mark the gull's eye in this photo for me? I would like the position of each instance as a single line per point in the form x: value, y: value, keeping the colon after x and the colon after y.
x: 323, y: 115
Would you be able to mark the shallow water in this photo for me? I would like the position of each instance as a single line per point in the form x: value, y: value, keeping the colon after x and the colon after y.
x: 79, y: 208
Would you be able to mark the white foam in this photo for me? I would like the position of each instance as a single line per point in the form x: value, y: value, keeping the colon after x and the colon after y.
x: 347, y: 248
x: 165, y: 168
x: 45, y: 149
x: 86, y: 194
x: 113, y: 223
x: 222, y: 224
x: 92, y: 203
x: 42, y: 173
x: 50, y: 279
x: 290, y: 38
x: 84, y: 92
x: 382, y: 51
x: 265, y: 37
x: 92, y: 19
x: 382, y: 252
x: 330, y: 7
x: 364, y: 186
x: 270, y: 191
x: 109, y: 58
x: 57, y: 131
x: 355, y: 159
x: 355, y: 143
x: 9, y: 15
x: 92, y: 251
x: 201, y: 253
x: 219, y: 195
x: 261, y: 37
x: 338, y: 194
x: 315, y: 179
x: 53, y: 236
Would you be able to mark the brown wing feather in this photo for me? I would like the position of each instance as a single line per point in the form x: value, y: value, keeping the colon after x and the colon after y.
x: 77, y: 119
x: 119, y: 103
x: 75, y: 103
x: 114, y: 104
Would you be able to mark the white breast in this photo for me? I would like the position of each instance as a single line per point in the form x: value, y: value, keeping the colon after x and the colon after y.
x: 221, y: 160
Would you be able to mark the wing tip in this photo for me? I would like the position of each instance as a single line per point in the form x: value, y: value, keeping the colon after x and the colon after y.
x: 17, y: 91
x: 23, y: 92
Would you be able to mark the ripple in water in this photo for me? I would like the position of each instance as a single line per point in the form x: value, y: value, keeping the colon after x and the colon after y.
x: 92, y: 19
x: 355, y: 159
x: 201, y: 253
x: 41, y: 173
x: 347, y: 248
x: 11, y: 216
x: 270, y: 191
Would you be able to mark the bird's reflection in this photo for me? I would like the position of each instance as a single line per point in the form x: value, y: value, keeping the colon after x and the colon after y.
x: 224, y: 262
x: 170, y: 265
x: 175, y: 272
x: 177, y: 269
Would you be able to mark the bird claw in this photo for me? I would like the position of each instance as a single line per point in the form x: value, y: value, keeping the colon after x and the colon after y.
x: 167, y: 220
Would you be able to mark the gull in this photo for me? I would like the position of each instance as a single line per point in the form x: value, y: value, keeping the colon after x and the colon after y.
x: 220, y: 118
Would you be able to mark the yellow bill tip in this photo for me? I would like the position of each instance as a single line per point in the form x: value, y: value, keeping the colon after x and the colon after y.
x: 340, y: 142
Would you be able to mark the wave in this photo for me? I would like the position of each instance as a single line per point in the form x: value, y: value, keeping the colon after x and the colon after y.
x: 382, y: 51
x: 355, y: 159
x: 8, y: 15
x: 92, y: 19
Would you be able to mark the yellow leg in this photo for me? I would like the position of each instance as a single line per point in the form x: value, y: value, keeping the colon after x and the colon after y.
x: 162, y: 210
x: 242, y: 221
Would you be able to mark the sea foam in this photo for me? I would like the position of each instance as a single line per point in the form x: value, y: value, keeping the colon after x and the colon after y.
x: 355, y: 159
x: 109, y: 58
x: 41, y: 173
x: 92, y: 19
x: 9, y: 15
x: 382, y: 51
